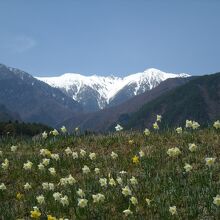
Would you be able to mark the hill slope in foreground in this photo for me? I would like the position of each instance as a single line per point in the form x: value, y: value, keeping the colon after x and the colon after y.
x: 161, y: 176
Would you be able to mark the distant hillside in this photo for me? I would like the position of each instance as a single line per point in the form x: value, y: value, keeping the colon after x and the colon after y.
x: 199, y: 99
x: 33, y: 100
x: 6, y: 115
x: 102, y: 120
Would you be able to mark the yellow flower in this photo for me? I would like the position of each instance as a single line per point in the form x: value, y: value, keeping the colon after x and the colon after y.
x: 216, y: 200
x: 98, y: 198
x: 27, y: 186
x: 5, y: 164
x: 127, y: 212
x: 71, y: 180
x: 103, y: 182
x: 119, y: 180
x: 192, y: 147
x: 40, y: 199
x: 41, y: 167
x: 63, y: 129
x: 131, y: 142
x: 64, y: 200
x: 54, y: 132
x: 55, y: 156
x: 210, y: 161
x: 192, y: 124
x: 187, y: 167
x: 52, y: 171
x: 195, y: 125
x: 82, y: 153
x: 86, y: 169
x: 82, y: 203
x: 80, y: 193
x: 14, y: 148
x: 114, y: 155
x: 159, y: 117
x: 133, y: 181
x: 135, y: 159
x: 126, y: 191
x: 45, y: 152
x: 97, y: 170
x: 134, y: 200
x: 173, y: 152
x: 146, y: 132
x: 173, y: 210
x: 141, y: 153
x: 28, y: 165
x: 68, y: 151
x: 2, y: 186
x: 50, y: 217
x: 148, y: 201
x: 35, y: 214
x: 189, y: 124
x: 179, y: 130
x: 46, y: 161
x: 216, y: 124
x: 118, y: 127
x: 57, y: 196
x: 92, y: 156
x: 75, y: 155
x: 44, y: 135
x: 156, y: 126
x: 112, y: 182
x: 19, y: 196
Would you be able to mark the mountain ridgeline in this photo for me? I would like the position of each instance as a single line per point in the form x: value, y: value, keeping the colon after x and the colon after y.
x: 99, y: 92
x: 199, y: 100
x: 101, y: 121
x: 97, y: 103
x: 33, y: 100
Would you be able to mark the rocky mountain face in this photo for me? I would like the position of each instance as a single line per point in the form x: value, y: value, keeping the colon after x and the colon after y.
x: 99, y: 92
x: 177, y: 99
x: 103, y: 120
x: 198, y: 99
x: 91, y: 102
x: 34, y: 100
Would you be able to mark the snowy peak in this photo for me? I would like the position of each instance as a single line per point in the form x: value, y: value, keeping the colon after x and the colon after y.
x: 97, y: 92
x: 75, y: 84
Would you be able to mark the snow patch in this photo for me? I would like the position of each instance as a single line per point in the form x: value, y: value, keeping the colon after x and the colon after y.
x: 108, y: 87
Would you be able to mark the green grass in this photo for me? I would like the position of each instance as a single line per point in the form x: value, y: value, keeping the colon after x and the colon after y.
x: 161, y: 179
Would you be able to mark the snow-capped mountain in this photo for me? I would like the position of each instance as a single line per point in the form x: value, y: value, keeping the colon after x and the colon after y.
x: 97, y: 92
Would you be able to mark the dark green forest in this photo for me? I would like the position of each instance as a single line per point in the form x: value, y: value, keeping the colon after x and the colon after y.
x: 20, y: 128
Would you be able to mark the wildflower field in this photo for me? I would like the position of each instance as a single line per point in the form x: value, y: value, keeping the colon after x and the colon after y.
x: 174, y: 174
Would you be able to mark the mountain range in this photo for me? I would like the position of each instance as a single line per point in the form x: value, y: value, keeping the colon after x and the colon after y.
x: 99, y: 92
x: 33, y: 100
x: 198, y: 99
x: 98, y: 103
x: 103, y: 120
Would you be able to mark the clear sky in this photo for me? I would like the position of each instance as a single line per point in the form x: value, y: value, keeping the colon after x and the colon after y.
x: 119, y: 37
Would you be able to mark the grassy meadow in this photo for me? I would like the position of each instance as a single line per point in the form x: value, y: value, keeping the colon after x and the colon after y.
x: 123, y: 175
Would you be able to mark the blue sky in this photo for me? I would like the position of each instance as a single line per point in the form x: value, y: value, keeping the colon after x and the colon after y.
x: 119, y: 37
